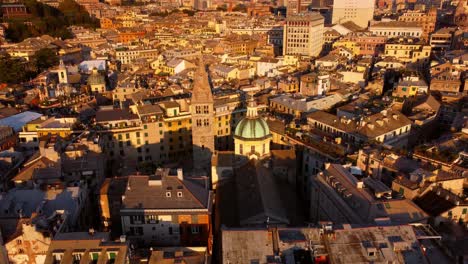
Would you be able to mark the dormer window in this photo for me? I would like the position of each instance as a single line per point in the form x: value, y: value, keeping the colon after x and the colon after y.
x: 111, y: 256
x: 179, y: 194
x: 77, y: 256
x: 94, y: 256
x: 168, y: 194
x: 57, y: 257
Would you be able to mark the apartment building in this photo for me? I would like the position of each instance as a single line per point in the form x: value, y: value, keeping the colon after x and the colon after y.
x: 388, y: 127
x: 362, y: 43
x: 410, y: 86
x: 303, y: 34
x: 48, y: 126
x: 126, y: 55
x: 408, y: 50
x: 446, y: 78
x: 341, y: 197
x: 237, y: 44
x: 329, y: 37
x: 300, y: 106
x: 28, y: 47
x: 162, y: 131
x: 444, y: 206
x: 165, y: 209
x: 325, y: 244
x: 87, y: 247
x: 426, y: 20
x: 288, y: 85
x: 358, y: 11
x: 127, y: 36
x: 313, y: 84
x: 393, y: 29
x: 176, y: 65
x: 443, y: 39
x: 150, y: 133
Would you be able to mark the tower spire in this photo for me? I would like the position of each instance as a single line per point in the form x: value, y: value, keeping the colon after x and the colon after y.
x: 201, y: 91
x: 251, y: 107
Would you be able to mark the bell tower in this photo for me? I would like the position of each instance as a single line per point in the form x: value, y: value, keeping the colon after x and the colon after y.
x: 62, y: 73
x: 202, y: 119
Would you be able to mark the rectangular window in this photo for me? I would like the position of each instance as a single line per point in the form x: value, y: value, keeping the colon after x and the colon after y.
x: 195, y: 229
x: 112, y: 255
x: 77, y: 257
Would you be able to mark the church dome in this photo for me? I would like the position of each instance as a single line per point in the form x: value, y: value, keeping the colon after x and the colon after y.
x: 252, y: 128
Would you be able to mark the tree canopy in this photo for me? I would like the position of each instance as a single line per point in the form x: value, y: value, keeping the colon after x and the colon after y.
x: 44, y: 59
x: 14, y: 70
x: 18, y: 70
x: 48, y: 20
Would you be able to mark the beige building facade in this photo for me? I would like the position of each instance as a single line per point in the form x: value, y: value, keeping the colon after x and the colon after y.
x: 303, y: 35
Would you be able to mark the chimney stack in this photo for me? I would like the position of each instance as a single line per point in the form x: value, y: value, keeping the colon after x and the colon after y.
x: 180, y: 174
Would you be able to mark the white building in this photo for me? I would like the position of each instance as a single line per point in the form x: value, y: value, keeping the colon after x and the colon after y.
x: 267, y: 66
x: 395, y: 29
x: 358, y: 11
x: 126, y: 56
x: 303, y: 34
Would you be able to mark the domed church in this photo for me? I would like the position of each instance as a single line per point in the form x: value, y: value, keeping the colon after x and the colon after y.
x: 252, y: 136
x: 260, y: 180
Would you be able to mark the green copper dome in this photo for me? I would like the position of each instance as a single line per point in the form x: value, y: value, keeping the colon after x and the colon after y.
x: 252, y: 128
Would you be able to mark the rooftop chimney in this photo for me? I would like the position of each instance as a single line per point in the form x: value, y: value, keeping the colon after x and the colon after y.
x: 180, y: 174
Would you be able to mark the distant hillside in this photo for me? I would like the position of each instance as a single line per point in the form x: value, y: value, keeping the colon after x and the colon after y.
x: 48, y: 20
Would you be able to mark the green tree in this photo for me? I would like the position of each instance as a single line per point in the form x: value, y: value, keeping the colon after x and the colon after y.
x: 44, y: 59
x: 14, y: 70
x: 45, y: 19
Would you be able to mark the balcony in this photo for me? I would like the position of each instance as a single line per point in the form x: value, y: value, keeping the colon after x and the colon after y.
x: 118, y: 129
